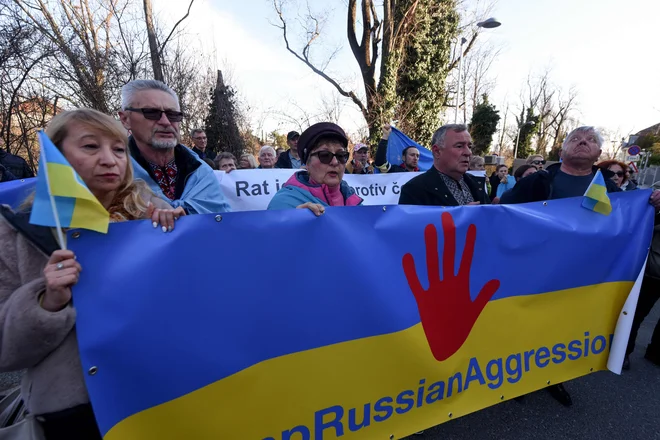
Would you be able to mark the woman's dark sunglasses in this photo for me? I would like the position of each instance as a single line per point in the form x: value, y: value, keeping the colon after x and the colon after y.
x: 538, y: 162
x: 154, y: 114
x: 619, y: 173
x: 326, y: 157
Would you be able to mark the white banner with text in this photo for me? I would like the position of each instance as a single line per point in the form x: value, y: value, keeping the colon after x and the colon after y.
x: 251, y: 190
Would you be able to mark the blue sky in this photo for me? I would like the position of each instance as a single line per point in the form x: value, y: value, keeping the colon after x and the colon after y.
x: 602, y: 47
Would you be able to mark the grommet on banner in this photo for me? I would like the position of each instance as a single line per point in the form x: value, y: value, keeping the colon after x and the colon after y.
x: 75, y: 235
x: 501, y: 397
x: 384, y: 208
x: 591, y: 369
x: 545, y: 203
x: 391, y: 436
x: 625, y: 313
x: 218, y: 218
x: 450, y: 415
x: 548, y: 382
x: 92, y: 371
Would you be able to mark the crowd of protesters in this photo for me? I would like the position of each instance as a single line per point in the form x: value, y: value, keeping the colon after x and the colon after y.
x: 151, y: 175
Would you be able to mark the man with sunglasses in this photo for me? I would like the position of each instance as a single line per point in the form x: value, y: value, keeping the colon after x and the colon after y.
x: 151, y: 112
x: 536, y: 160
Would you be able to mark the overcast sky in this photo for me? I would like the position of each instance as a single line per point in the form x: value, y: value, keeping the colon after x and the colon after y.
x: 607, y: 49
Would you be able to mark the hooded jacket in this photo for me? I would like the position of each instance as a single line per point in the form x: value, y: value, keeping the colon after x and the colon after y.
x: 298, y: 190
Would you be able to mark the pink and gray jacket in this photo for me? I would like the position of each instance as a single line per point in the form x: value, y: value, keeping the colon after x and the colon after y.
x: 301, y: 189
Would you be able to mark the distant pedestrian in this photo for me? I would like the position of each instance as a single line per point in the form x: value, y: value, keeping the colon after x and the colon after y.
x: 289, y: 159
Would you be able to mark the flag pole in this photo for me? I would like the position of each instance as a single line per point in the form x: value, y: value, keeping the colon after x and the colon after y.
x: 58, y: 225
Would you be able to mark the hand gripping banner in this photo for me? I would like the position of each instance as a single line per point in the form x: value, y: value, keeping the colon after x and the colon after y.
x: 281, y: 325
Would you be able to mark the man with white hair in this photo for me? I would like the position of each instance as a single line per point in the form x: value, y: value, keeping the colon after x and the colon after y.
x: 569, y: 178
x: 151, y: 112
x: 267, y: 157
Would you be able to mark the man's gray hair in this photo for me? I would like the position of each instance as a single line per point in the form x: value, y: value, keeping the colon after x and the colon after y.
x: 129, y: 90
x: 585, y: 129
x: 196, y: 130
x: 439, y: 135
x: 267, y: 148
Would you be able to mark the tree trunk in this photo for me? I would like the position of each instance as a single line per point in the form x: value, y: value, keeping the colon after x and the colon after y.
x: 153, y: 44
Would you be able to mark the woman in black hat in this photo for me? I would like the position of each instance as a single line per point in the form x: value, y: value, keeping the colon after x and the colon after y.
x: 323, y: 149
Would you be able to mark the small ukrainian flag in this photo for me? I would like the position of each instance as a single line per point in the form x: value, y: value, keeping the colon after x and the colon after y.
x: 62, y: 199
x: 596, y: 198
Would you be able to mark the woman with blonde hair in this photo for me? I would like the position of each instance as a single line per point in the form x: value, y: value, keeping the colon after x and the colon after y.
x: 37, y: 318
x: 247, y: 162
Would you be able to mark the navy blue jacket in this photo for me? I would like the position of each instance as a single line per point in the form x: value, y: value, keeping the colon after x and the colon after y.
x: 16, y: 165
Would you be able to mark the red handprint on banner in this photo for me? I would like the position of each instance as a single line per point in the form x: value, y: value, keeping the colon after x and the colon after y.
x: 445, y: 308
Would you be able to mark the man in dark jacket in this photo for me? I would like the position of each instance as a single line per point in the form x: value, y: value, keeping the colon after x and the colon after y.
x: 200, y: 142
x: 447, y: 182
x: 289, y: 159
x: 569, y: 178
x: 410, y: 156
x: 16, y: 165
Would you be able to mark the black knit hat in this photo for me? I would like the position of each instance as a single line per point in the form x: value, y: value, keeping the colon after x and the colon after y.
x: 309, y: 137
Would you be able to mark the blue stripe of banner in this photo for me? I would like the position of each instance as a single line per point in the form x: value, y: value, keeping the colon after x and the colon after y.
x: 13, y: 193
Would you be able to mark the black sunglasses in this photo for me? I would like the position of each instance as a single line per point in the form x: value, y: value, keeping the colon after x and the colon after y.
x: 538, y: 162
x: 154, y: 114
x: 619, y: 173
x: 326, y: 157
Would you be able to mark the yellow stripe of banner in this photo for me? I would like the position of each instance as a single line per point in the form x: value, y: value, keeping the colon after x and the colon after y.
x: 394, y: 379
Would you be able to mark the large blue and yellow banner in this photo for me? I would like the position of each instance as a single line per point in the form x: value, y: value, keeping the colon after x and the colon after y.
x: 365, y: 323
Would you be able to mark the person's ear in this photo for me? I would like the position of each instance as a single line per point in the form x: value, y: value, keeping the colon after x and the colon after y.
x: 125, y: 120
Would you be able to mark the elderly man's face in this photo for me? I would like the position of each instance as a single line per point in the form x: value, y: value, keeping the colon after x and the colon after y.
x: 453, y: 158
x: 267, y: 159
x: 581, y: 147
x: 160, y: 134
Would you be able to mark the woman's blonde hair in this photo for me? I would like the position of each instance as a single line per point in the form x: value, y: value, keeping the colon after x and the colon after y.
x: 129, y: 202
x: 250, y: 158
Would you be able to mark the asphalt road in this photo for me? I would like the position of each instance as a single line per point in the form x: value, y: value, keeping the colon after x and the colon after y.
x: 605, y: 407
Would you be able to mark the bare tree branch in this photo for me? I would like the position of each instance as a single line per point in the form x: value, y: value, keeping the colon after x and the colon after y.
x: 305, y: 59
x: 162, y: 46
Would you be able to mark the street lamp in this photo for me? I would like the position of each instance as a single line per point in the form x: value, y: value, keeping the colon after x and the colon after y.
x: 488, y: 23
x: 515, y: 151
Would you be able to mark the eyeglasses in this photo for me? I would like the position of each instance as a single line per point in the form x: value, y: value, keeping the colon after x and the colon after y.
x: 154, y: 114
x: 538, y: 162
x: 326, y: 157
x: 619, y: 173
x: 196, y: 138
